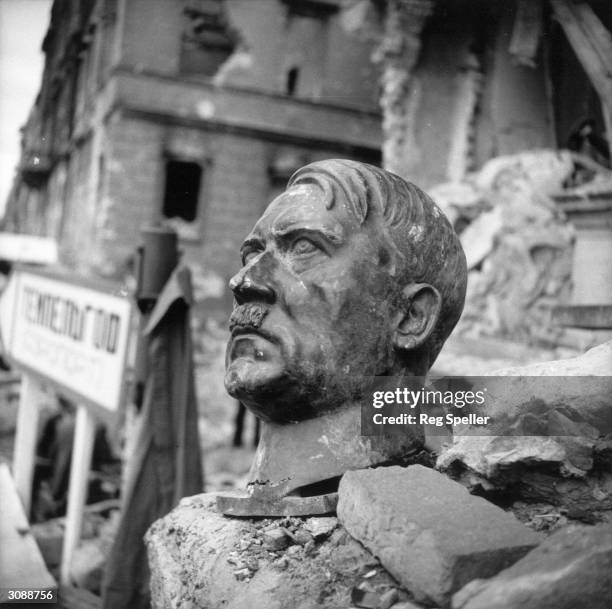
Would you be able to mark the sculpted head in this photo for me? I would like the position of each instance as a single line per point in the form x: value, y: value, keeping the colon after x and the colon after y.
x: 351, y: 272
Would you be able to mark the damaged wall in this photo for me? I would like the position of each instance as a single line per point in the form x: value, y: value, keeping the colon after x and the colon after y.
x: 515, y: 97
x: 96, y: 146
x: 137, y: 95
x: 518, y: 245
x: 461, y: 98
x: 469, y: 83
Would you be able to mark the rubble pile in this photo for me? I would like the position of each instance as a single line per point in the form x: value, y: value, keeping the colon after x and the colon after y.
x: 200, y: 558
x: 405, y: 538
x: 518, y: 245
x: 412, y: 537
x: 570, y: 466
x: 279, y: 541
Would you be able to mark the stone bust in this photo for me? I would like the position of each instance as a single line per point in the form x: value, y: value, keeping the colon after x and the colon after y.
x: 351, y: 272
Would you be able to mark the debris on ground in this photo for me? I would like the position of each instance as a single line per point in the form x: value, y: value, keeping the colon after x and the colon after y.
x: 518, y: 244
x: 199, y: 556
x: 551, y: 441
x: 270, y: 537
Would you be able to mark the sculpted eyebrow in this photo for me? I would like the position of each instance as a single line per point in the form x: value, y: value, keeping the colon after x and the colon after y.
x: 333, y: 235
x: 251, y: 243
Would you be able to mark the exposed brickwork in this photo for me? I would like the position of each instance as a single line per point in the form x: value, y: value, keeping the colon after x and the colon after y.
x: 99, y: 136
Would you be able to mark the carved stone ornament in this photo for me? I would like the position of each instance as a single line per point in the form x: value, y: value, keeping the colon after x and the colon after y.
x: 351, y: 273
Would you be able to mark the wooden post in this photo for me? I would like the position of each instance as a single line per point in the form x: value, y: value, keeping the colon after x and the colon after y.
x: 25, y: 438
x: 84, y: 433
x: 591, y: 42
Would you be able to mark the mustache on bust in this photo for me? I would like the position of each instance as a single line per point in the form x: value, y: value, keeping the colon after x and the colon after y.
x: 250, y: 315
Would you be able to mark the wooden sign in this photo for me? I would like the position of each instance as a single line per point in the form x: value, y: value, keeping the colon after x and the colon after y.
x: 67, y: 333
x: 72, y: 335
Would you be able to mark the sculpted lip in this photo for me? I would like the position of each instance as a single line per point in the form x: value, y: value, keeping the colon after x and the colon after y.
x: 247, y: 319
x: 251, y: 343
x: 239, y: 330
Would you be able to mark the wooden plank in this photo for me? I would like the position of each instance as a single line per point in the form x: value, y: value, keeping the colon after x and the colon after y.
x: 602, y: 40
x: 25, y: 438
x: 84, y: 433
x: 597, y: 30
x: 584, y: 32
x: 21, y: 563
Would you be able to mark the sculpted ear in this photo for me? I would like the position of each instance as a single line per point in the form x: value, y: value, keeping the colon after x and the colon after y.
x: 422, y: 303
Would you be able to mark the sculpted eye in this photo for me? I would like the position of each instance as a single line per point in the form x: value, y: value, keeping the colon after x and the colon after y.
x: 303, y: 246
x: 249, y: 254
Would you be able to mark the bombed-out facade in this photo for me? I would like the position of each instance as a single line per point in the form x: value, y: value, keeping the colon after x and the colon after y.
x: 196, y: 112
x: 190, y: 112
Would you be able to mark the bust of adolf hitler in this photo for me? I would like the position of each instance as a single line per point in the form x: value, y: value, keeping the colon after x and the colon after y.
x: 352, y: 272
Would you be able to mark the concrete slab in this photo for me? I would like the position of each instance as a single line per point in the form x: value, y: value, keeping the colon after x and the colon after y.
x: 427, y: 530
x: 572, y: 568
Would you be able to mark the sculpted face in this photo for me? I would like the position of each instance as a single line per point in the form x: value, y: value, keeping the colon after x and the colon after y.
x: 351, y: 273
x: 314, y: 308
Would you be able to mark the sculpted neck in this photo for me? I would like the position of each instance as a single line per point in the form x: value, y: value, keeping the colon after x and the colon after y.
x: 294, y: 455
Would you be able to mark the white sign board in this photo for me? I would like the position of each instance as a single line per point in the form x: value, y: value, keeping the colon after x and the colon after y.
x: 68, y: 333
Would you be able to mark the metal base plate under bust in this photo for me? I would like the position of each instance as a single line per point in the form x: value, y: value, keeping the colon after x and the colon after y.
x: 240, y: 503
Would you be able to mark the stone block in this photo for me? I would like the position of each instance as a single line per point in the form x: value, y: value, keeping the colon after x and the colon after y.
x: 571, y: 569
x: 321, y: 527
x: 276, y: 539
x: 427, y: 530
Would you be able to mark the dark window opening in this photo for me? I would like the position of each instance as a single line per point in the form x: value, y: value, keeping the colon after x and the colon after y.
x: 580, y: 123
x: 182, y: 190
x: 292, y: 80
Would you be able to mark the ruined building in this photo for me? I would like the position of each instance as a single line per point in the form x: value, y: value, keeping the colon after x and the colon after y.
x: 195, y: 112
x: 191, y: 111
x: 468, y: 80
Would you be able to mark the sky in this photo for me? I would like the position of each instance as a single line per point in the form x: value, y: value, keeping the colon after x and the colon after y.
x: 23, y: 24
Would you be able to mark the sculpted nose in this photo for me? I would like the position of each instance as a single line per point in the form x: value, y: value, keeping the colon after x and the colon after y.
x: 253, y: 283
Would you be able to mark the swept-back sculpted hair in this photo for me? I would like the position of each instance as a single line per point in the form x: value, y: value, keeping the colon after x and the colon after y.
x: 419, y: 231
